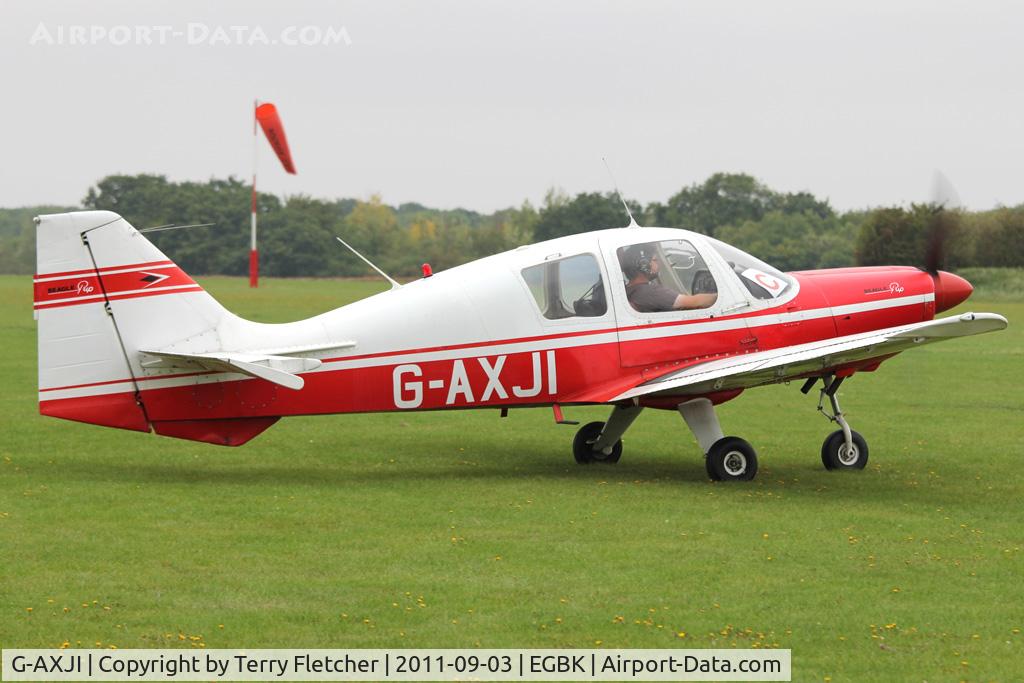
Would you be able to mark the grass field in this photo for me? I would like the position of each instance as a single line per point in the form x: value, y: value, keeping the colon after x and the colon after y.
x: 461, y: 529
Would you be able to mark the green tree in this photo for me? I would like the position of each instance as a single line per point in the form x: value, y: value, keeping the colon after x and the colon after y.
x: 300, y: 239
x: 586, y: 211
x: 730, y: 199
x: 896, y: 236
x: 372, y: 228
x: 722, y: 199
x: 790, y: 230
x: 998, y: 237
x: 151, y: 201
x: 795, y: 241
x: 18, y: 237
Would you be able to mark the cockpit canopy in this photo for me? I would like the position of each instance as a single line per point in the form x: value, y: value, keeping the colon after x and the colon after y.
x: 661, y: 271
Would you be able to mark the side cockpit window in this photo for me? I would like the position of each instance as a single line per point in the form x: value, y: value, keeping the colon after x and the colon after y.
x: 568, y: 287
x: 666, y: 276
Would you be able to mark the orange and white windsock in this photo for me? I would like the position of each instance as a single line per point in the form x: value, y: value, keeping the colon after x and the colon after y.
x: 270, y: 121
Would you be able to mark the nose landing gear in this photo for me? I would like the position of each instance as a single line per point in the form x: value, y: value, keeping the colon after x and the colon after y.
x: 843, y: 449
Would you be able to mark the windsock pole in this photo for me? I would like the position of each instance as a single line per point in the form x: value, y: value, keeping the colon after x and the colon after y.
x: 254, y: 256
x: 265, y: 116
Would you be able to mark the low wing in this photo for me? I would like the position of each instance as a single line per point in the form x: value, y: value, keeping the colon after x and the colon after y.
x: 815, y: 358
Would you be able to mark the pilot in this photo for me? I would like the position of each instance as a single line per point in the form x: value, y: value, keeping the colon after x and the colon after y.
x: 641, y: 266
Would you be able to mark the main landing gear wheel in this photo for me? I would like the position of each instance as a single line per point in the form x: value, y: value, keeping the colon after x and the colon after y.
x: 731, y: 459
x: 582, y: 445
x: 836, y: 456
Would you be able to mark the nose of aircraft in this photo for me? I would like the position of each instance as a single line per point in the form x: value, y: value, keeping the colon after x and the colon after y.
x: 950, y: 290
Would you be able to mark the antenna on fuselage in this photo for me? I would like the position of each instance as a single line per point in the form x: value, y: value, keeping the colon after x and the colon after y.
x: 394, y: 285
x: 632, y: 221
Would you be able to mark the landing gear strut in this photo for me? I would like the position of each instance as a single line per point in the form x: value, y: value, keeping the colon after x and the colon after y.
x: 602, y: 441
x: 843, y: 448
x: 728, y: 458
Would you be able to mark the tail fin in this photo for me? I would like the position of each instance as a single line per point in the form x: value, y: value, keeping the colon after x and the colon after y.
x: 103, y: 293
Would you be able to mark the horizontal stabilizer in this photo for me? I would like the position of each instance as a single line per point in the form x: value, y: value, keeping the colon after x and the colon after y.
x: 277, y: 369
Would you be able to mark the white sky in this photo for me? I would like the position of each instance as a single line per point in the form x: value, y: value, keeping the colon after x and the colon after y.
x: 485, y: 104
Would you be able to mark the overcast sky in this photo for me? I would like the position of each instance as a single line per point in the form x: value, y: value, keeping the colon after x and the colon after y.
x: 486, y: 104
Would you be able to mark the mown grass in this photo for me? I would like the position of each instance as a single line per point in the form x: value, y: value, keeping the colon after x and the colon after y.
x: 462, y: 529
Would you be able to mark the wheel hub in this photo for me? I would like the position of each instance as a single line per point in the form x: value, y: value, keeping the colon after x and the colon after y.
x: 735, y: 463
x: 848, y: 456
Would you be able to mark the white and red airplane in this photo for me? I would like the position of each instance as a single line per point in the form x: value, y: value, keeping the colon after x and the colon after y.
x: 128, y: 340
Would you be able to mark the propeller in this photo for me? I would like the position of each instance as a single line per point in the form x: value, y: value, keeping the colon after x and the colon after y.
x: 944, y: 199
x: 950, y: 289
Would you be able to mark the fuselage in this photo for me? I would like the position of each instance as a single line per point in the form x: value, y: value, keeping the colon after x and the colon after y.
x: 481, y: 334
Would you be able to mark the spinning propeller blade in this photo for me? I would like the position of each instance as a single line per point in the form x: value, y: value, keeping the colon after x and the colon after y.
x: 944, y: 200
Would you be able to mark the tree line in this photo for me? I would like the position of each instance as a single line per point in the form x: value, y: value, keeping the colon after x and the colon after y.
x: 793, y: 231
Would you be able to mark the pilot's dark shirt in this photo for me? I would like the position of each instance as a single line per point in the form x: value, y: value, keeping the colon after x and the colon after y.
x: 650, y: 297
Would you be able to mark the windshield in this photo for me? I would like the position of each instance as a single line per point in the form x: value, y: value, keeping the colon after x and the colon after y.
x: 760, y: 279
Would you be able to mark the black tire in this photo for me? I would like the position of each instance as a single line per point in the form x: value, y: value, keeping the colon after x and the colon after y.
x: 835, y: 457
x: 709, y: 469
x: 731, y: 459
x: 582, y: 448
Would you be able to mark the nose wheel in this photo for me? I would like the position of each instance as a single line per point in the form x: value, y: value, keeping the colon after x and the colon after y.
x: 843, y: 449
x: 836, y: 455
